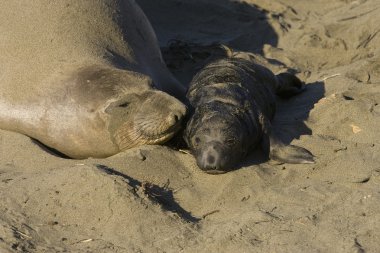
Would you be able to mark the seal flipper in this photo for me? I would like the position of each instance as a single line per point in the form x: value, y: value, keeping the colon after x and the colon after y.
x: 280, y: 152
x: 288, y: 85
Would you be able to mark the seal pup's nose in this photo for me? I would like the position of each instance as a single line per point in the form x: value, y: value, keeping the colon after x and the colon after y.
x: 211, y: 160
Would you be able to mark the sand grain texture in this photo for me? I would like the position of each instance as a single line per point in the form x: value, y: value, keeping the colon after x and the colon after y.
x: 154, y: 199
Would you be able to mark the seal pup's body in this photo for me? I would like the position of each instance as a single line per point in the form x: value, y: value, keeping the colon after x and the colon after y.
x: 80, y: 76
x: 234, y: 100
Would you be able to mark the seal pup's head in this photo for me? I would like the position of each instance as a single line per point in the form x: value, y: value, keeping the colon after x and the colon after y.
x: 218, y: 137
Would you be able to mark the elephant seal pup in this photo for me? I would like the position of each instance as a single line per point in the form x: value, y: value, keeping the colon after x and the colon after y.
x: 233, y: 101
x: 81, y: 76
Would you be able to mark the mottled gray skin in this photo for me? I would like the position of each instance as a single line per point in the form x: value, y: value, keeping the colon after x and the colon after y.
x: 233, y: 101
x: 85, y: 77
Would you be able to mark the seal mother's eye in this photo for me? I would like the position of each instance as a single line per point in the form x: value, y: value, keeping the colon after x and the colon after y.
x: 125, y: 104
x: 197, y: 140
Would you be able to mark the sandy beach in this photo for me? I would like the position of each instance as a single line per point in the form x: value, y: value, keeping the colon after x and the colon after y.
x: 155, y: 199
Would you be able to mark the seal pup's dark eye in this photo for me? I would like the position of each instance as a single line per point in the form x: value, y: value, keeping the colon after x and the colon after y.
x: 231, y: 142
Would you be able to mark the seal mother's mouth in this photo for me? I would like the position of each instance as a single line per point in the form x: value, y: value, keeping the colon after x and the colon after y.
x: 158, y: 137
x: 131, y: 134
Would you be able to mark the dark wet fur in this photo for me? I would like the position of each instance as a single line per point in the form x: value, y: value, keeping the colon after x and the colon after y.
x: 231, y: 100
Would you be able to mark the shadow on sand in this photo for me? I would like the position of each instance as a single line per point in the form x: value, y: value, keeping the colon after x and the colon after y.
x: 161, y: 195
x: 234, y: 23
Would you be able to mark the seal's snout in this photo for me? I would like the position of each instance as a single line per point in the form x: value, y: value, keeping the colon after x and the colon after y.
x: 212, y: 159
x: 174, y: 108
x: 175, y: 117
x: 151, y: 117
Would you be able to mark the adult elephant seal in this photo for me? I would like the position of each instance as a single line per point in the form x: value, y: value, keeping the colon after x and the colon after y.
x: 234, y: 101
x: 80, y: 76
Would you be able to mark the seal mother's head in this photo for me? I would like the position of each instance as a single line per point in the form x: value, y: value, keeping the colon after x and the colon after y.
x: 101, y: 111
x: 137, y: 113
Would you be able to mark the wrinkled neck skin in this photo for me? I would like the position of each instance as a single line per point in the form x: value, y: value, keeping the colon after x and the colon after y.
x: 220, y: 136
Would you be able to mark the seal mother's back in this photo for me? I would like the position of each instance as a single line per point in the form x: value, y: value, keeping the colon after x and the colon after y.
x: 80, y: 76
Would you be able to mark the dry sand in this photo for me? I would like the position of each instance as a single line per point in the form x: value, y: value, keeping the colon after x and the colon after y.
x: 154, y: 199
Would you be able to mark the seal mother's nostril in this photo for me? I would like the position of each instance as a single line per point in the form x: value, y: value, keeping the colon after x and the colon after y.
x: 174, y: 118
